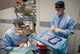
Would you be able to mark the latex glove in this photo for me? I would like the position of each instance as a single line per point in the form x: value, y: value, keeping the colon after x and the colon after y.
x: 59, y: 30
x: 53, y: 29
x: 56, y: 29
x: 22, y: 45
x: 29, y: 42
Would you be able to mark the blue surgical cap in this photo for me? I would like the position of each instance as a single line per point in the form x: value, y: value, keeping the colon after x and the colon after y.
x: 18, y: 19
x: 59, y: 4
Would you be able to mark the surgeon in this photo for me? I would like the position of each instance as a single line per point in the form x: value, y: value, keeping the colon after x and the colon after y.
x: 62, y: 24
x: 12, y: 39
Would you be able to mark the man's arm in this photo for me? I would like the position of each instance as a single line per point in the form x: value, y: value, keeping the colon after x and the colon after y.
x: 6, y: 43
x: 70, y: 28
x: 68, y: 31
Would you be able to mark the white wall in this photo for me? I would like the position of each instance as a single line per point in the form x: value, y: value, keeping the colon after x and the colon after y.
x: 47, y: 10
x: 4, y: 4
x: 5, y: 14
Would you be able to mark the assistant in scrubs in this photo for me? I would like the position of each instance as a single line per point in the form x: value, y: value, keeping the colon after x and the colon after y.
x: 62, y: 24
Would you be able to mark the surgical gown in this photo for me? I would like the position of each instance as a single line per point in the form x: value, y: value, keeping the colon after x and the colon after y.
x: 64, y: 22
x: 11, y: 40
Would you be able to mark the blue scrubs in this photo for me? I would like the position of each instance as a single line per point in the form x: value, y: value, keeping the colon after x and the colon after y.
x: 64, y: 22
x: 11, y: 40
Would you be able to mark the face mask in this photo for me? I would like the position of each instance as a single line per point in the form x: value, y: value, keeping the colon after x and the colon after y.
x: 59, y: 13
x: 23, y: 31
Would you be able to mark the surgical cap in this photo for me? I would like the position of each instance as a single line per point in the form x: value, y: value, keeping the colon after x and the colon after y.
x: 59, y: 4
x: 18, y: 19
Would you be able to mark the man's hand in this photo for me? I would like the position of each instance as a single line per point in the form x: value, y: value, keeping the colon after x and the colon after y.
x: 22, y: 45
x: 29, y: 42
x: 53, y: 28
x: 56, y: 29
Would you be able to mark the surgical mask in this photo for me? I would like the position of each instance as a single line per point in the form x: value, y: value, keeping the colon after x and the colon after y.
x: 24, y: 31
x: 19, y: 30
x: 59, y: 13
